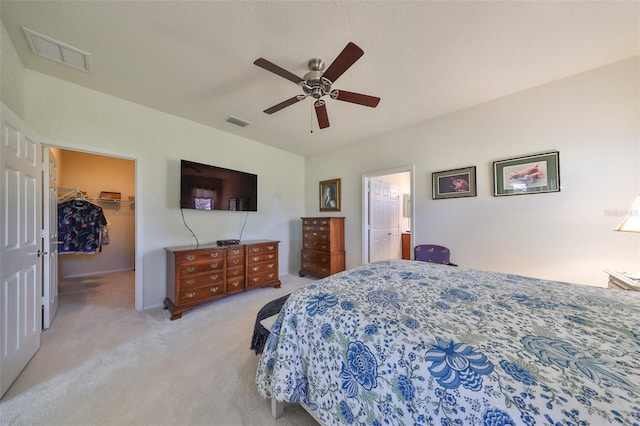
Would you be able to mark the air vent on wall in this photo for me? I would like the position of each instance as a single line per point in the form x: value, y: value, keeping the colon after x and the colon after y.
x: 238, y: 122
x: 57, y: 51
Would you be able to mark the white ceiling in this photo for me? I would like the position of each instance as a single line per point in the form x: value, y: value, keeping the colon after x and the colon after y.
x: 194, y: 59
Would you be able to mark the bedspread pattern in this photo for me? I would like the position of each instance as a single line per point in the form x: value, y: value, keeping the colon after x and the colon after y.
x: 405, y: 342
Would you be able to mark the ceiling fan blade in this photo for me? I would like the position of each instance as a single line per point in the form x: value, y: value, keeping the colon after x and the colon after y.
x: 349, y: 55
x: 270, y: 66
x: 282, y: 105
x: 321, y: 113
x: 355, y: 98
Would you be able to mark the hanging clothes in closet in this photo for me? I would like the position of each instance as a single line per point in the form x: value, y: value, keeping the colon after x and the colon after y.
x: 81, y: 227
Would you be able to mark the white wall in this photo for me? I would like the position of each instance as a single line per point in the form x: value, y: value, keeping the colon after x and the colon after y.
x: 592, y: 119
x: 12, y: 72
x: 73, y: 117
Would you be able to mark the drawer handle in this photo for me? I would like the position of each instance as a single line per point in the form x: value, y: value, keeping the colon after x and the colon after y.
x: 235, y: 262
x: 255, y: 249
x: 256, y: 268
x: 214, y: 277
x: 234, y: 273
x: 270, y: 275
x: 191, y: 257
x: 191, y: 295
x: 271, y: 247
x: 236, y: 284
x: 256, y: 258
x: 214, y: 266
x: 214, y: 254
x: 256, y: 279
x: 213, y: 289
x: 191, y: 268
x: 191, y: 282
x: 235, y: 251
x: 271, y: 256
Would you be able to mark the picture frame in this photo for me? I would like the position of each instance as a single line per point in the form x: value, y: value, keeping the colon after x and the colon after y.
x: 233, y: 203
x: 330, y: 195
x: 530, y: 174
x: 454, y: 183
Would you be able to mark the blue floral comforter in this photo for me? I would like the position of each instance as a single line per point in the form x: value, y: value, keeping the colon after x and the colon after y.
x: 404, y: 342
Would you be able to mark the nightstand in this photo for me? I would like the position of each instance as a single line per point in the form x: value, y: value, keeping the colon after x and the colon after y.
x: 624, y: 280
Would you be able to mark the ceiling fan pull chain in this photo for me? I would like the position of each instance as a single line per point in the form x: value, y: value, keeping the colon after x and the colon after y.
x: 311, y: 117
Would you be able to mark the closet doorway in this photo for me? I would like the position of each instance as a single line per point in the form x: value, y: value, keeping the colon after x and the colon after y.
x: 109, y: 183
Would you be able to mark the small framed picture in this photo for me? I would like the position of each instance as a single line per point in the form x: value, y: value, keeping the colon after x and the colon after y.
x: 233, y: 204
x: 454, y: 183
x: 330, y: 195
x: 531, y: 174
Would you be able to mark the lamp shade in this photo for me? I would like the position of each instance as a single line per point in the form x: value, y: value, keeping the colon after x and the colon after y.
x: 631, y: 222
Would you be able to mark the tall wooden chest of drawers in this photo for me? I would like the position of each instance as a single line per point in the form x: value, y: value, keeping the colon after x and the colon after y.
x: 207, y: 273
x: 322, y: 246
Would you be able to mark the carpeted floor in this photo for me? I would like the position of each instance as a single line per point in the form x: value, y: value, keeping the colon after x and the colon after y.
x: 102, y: 363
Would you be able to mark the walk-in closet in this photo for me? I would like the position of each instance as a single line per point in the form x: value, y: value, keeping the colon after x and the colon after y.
x: 95, y: 191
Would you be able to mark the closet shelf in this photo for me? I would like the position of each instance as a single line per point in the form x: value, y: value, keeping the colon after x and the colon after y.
x: 110, y: 200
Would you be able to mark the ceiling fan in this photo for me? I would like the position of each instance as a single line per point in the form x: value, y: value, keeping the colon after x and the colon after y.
x: 317, y: 83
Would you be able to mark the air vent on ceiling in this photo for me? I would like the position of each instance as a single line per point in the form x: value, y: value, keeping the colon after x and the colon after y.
x: 57, y: 51
x: 238, y: 122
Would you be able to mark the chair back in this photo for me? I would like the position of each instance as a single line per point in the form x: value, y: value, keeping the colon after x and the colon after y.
x: 432, y: 253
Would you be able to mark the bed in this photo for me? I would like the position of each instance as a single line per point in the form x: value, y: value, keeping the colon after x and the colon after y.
x: 403, y: 342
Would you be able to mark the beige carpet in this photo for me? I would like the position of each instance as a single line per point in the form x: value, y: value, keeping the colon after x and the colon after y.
x: 102, y: 363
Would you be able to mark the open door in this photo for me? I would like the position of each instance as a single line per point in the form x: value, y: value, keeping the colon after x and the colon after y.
x: 20, y: 250
x: 382, y: 220
x: 50, y: 233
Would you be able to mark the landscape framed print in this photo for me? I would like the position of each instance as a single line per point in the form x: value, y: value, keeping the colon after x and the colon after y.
x: 454, y: 183
x: 330, y: 195
x: 531, y: 174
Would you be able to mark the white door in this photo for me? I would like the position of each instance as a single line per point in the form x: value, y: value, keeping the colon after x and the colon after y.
x: 50, y: 225
x: 20, y: 236
x: 384, y: 241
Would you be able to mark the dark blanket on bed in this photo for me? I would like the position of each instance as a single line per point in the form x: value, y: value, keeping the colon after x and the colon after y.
x: 260, y: 334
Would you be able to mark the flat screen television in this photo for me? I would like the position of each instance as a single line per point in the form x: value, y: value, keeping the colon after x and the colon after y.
x: 207, y: 187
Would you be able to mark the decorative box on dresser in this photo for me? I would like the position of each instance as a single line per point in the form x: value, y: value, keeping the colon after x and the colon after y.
x: 322, y: 246
x: 207, y: 273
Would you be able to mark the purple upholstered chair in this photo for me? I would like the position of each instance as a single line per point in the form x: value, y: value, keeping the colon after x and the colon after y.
x: 433, y: 253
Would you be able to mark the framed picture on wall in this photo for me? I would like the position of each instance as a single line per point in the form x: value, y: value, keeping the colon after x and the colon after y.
x: 330, y: 195
x: 454, y: 183
x: 531, y: 174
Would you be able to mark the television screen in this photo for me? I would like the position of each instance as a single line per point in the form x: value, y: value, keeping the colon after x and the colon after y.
x: 207, y: 187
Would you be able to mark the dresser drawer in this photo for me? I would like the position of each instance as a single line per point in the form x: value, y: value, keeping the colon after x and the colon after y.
x: 186, y: 295
x: 235, y: 253
x: 264, y: 248
x: 262, y: 278
x: 317, y: 269
x: 262, y: 257
x: 262, y: 267
x: 199, y: 268
x: 199, y: 256
x: 200, y: 280
x: 235, y: 284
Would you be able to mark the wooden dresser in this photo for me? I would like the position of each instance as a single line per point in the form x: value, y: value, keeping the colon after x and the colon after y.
x: 322, y: 246
x: 207, y: 273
